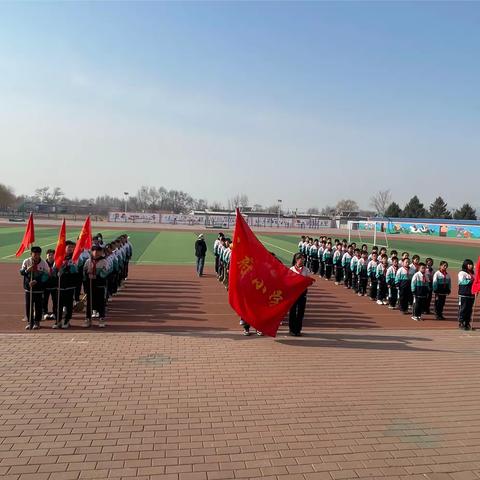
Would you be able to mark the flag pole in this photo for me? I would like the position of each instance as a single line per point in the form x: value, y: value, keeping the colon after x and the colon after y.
x: 90, y: 300
x: 473, y: 312
x: 31, y: 296
x: 57, y: 320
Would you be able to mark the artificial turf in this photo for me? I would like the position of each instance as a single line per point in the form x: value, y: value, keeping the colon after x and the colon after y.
x: 167, y: 247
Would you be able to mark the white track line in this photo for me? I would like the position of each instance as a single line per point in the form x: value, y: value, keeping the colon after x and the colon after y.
x: 43, y: 246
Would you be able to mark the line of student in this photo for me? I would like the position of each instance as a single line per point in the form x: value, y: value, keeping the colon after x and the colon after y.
x: 53, y: 294
x: 390, y: 280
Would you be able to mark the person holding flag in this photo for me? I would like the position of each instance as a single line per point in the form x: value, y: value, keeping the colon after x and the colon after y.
x: 261, y: 289
x: 35, y: 273
x: 297, y: 312
x: 67, y: 279
x: 80, y: 255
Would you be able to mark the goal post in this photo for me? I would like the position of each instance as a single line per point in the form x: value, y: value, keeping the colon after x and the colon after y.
x: 371, y: 230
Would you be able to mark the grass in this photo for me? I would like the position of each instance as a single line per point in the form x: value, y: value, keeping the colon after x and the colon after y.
x: 177, y: 248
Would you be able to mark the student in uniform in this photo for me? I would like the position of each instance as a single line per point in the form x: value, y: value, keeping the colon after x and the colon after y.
x: 337, y: 262
x: 429, y: 273
x: 362, y: 273
x: 67, y: 274
x: 216, y: 251
x: 415, y: 266
x: 95, y: 272
x: 347, y: 271
x: 297, y: 312
x: 300, y: 244
x: 374, y: 251
x: 392, y: 287
x: 51, y: 287
x: 314, y: 263
x: 393, y: 253
x: 372, y: 275
x: 381, y: 274
x: 442, y: 287
x: 420, y: 290
x: 200, y: 254
x: 353, y: 268
x: 403, y: 282
x: 35, y: 274
x: 328, y: 261
x: 465, y: 297
x: 321, y: 250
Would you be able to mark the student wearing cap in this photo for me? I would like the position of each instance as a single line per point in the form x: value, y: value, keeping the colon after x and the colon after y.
x: 35, y: 273
x: 200, y: 253
x: 95, y: 272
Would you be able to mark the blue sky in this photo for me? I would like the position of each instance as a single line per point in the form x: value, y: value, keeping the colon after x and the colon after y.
x: 308, y: 102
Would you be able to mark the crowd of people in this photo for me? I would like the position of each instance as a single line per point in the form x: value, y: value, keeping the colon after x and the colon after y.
x: 86, y: 284
x: 390, y: 279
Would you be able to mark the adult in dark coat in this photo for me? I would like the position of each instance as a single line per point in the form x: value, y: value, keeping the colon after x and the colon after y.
x: 200, y: 253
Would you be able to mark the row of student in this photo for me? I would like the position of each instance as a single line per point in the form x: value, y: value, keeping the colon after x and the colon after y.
x: 51, y: 293
x: 391, y: 281
x: 222, y: 249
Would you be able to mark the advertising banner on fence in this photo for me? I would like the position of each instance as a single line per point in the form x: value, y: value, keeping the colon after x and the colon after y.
x: 133, y: 217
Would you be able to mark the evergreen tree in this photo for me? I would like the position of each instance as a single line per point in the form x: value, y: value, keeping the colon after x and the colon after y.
x: 414, y: 209
x: 438, y: 209
x: 465, y: 212
x: 393, y: 210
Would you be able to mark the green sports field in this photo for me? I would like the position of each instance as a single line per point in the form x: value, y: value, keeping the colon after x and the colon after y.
x: 168, y: 247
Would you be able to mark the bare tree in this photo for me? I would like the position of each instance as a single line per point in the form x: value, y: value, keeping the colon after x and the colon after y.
x: 239, y: 200
x: 327, y: 210
x: 313, y: 211
x: 7, y: 197
x: 380, y: 201
x: 56, y: 195
x: 346, y: 205
x: 43, y: 194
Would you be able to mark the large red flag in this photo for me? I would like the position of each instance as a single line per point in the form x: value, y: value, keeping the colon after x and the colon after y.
x: 28, y: 237
x: 261, y: 289
x: 61, y: 247
x: 84, y: 240
x: 476, y: 281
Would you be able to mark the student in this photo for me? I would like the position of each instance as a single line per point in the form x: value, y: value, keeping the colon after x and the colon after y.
x: 420, y: 290
x: 300, y: 244
x: 403, y: 282
x: 353, y: 268
x: 415, y: 266
x: 314, y: 263
x: 372, y: 275
x: 392, y: 287
x: 337, y: 262
x: 321, y: 250
x: 429, y: 273
x: 442, y: 286
x: 51, y: 286
x: 347, y: 271
x: 328, y: 261
x: 365, y: 248
x: 95, y: 272
x: 216, y: 251
x: 67, y: 274
x: 35, y: 274
x: 381, y: 275
x: 374, y: 251
x: 227, y: 252
x: 465, y: 297
x: 297, y: 312
x: 362, y: 273
x: 393, y: 253
x: 309, y: 253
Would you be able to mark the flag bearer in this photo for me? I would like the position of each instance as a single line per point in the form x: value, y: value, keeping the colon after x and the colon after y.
x: 466, y: 298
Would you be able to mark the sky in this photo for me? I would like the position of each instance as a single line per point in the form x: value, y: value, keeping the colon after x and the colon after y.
x: 305, y: 102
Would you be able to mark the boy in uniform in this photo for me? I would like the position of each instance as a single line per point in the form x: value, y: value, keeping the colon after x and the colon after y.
x: 442, y: 286
x: 403, y: 282
x: 347, y: 271
x: 362, y: 272
x: 95, y: 272
x: 429, y: 273
x: 337, y: 262
x: 50, y: 287
x: 328, y: 261
x: 372, y: 275
x: 353, y: 268
x: 67, y: 274
x: 35, y: 273
x: 381, y: 275
x: 420, y: 290
x: 392, y: 287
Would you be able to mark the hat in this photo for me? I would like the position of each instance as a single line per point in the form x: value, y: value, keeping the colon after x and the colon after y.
x: 200, y: 236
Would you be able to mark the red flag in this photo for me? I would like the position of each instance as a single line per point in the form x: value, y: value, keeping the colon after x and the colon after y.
x: 84, y: 240
x: 28, y: 237
x: 61, y: 247
x: 261, y: 289
x: 476, y: 281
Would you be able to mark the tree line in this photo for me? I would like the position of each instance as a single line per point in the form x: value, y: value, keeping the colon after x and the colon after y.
x: 154, y: 199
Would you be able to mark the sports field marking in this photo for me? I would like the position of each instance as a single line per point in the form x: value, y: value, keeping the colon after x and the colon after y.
x: 42, y: 246
x: 277, y: 247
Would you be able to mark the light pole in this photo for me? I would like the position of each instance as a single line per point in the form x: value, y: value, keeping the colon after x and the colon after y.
x: 126, y: 203
x: 279, y: 208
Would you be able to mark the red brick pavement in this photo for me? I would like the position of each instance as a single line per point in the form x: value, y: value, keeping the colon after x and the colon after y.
x: 331, y: 405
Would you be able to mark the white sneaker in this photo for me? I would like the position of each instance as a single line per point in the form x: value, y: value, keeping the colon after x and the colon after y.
x: 66, y: 325
x: 55, y: 325
x: 46, y: 316
x: 51, y: 316
x: 260, y: 334
x: 415, y: 318
x: 35, y: 326
x: 27, y: 326
x: 64, y: 310
x: 101, y: 323
x: 87, y: 323
x: 379, y: 302
x: 385, y: 302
